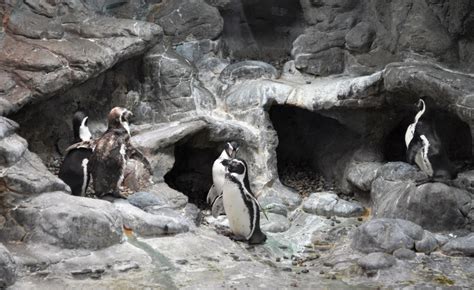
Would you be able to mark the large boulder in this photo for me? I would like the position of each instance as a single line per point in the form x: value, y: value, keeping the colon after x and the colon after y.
x: 387, y: 235
x: 434, y: 206
x: 7, y: 268
x: 147, y: 224
x: 460, y: 246
x: 69, y: 221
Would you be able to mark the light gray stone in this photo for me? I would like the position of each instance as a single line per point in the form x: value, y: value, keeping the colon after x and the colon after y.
x: 460, y: 246
x: 361, y: 175
x: 70, y: 221
x: 427, y: 244
x: 146, y: 224
x: 376, y: 261
x: 7, y: 268
x: 329, y: 204
x: 404, y: 254
x: 11, y: 149
x: 247, y: 70
x: 386, y: 235
x: 360, y: 37
x: 275, y: 224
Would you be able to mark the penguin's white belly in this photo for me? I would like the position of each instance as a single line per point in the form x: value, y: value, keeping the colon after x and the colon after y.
x: 236, y: 210
x: 218, y: 175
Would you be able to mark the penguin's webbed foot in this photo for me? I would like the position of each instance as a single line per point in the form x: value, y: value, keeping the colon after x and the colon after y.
x: 237, y: 238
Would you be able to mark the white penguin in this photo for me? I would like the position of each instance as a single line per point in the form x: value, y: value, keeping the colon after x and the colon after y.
x: 241, y: 206
x: 218, y: 177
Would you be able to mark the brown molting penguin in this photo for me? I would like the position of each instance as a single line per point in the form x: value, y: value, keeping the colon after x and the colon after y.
x: 111, y: 152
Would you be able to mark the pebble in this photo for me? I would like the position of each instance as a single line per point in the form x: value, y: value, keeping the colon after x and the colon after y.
x: 305, y: 271
x: 278, y: 259
x: 286, y: 269
x: 182, y: 262
x: 303, y: 179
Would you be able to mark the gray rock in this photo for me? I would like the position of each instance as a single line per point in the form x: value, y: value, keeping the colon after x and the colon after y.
x: 360, y: 37
x: 386, y: 235
x: 147, y: 224
x: 30, y: 176
x: 184, y: 19
x: 404, y: 254
x: 329, y: 204
x: 434, y: 206
x: 11, y: 149
x: 323, y: 63
x: 32, y: 25
x: 7, y: 127
x: 247, y: 70
x: 173, y: 198
x: 95, y: 43
x: 361, y: 175
x: 427, y: 244
x: 194, y: 51
x: 69, y: 221
x: 275, y: 224
x: 281, y: 195
x: 376, y: 261
x: 276, y: 208
x: 400, y: 171
x: 460, y: 246
x: 144, y: 199
x: 7, y: 268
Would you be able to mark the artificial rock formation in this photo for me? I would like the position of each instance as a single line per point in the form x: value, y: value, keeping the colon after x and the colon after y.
x: 327, y: 85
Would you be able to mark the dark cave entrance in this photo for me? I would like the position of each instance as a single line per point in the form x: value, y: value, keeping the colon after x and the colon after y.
x: 453, y: 132
x: 192, y: 170
x: 262, y: 30
x: 313, y: 149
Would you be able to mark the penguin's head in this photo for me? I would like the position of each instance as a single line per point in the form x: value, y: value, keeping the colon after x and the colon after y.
x: 231, y: 148
x: 119, y: 118
x: 421, y: 105
x: 235, y: 168
x: 79, y: 125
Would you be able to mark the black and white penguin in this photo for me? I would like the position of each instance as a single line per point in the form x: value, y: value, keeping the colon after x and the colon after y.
x: 218, y: 177
x: 425, y: 148
x: 241, y: 206
x: 111, y: 152
x: 74, y: 169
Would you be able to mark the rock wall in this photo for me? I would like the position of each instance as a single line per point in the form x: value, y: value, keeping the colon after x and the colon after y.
x: 177, y: 65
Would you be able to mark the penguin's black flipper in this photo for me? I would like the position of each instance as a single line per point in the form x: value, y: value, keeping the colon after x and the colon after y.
x: 217, y: 207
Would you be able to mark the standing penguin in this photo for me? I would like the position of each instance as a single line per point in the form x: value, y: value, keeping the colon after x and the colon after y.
x: 425, y: 148
x: 111, y: 152
x: 74, y: 169
x: 218, y: 177
x: 240, y: 204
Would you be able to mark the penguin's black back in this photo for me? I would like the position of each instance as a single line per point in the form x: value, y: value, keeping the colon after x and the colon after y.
x: 72, y: 172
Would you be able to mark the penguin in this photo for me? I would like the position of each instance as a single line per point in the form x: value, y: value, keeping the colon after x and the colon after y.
x: 74, y: 168
x: 425, y: 148
x: 110, y: 154
x: 241, y: 206
x: 218, y: 177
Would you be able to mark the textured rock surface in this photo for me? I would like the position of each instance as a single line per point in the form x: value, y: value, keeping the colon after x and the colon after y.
x: 375, y: 261
x: 460, y: 246
x: 146, y: 224
x: 45, y: 57
x: 329, y: 204
x: 193, y: 19
x: 69, y: 221
x: 7, y: 268
x: 434, y: 206
x: 386, y: 235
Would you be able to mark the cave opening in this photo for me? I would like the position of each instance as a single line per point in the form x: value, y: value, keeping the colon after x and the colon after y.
x: 452, y: 131
x: 192, y: 170
x: 313, y: 149
x: 262, y: 30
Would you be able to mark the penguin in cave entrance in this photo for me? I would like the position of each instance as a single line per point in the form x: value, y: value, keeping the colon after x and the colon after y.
x: 424, y: 146
x: 74, y: 169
